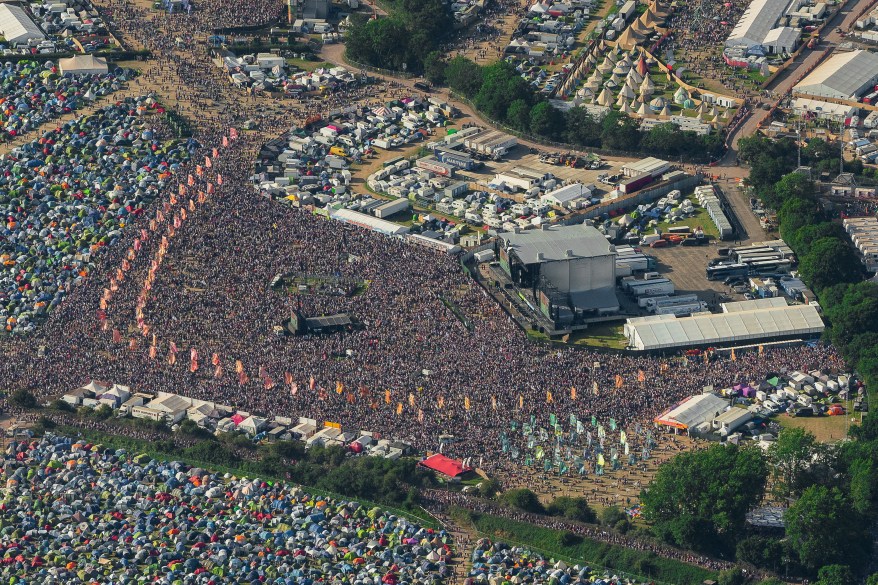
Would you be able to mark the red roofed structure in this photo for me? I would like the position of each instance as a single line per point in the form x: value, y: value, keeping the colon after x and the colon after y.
x: 444, y: 465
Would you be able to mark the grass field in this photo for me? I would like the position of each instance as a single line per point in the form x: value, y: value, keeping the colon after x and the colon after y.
x: 607, y: 335
x: 827, y: 429
x: 586, y: 551
x: 700, y: 219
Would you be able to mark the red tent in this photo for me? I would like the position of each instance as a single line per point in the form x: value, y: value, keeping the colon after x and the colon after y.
x: 444, y: 465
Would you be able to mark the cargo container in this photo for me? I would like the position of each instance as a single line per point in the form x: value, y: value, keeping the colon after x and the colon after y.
x: 434, y: 166
x: 645, y: 302
x: 391, y: 207
x: 652, y: 288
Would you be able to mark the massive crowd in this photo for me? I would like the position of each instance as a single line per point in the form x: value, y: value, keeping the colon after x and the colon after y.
x: 72, y: 513
x: 413, y: 370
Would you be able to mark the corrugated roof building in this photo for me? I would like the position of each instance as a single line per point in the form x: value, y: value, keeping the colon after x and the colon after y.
x: 732, y: 326
x: 16, y: 26
x: 842, y: 76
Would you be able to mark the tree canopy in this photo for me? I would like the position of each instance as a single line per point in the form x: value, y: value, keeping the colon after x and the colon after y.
x: 699, y: 500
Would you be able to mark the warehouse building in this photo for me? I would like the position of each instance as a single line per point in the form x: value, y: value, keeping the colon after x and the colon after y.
x: 733, y: 326
x: 571, y: 270
x: 369, y: 222
x: 843, y: 76
x: 760, y: 30
x: 654, y: 166
x: 16, y: 26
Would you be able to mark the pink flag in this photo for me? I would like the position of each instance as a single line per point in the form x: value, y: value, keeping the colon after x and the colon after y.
x: 117, y: 337
x: 225, y: 142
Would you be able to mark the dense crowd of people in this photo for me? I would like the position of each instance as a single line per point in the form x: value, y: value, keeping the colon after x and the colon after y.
x: 412, y: 369
x: 192, y: 311
x: 170, y: 523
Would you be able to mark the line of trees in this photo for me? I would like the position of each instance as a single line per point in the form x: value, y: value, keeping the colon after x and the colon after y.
x: 827, y: 261
x: 402, y: 40
x: 498, y: 91
x: 698, y: 500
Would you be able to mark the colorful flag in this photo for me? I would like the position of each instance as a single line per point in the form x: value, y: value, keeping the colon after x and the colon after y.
x: 339, y: 387
x: 117, y: 336
x: 387, y: 396
x: 641, y: 377
x: 466, y: 402
x: 549, y: 398
x: 619, y: 380
x: 440, y: 402
x: 215, y: 360
x: 398, y: 408
x: 239, y: 366
x: 573, y: 393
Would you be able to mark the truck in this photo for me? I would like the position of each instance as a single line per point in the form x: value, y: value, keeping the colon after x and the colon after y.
x: 652, y: 288
x: 645, y: 302
x: 682, y: 309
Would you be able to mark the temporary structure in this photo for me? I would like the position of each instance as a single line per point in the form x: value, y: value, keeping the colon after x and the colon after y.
x: 83, y: 65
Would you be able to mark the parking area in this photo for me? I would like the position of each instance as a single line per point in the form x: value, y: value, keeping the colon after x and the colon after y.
x: 685, y: 267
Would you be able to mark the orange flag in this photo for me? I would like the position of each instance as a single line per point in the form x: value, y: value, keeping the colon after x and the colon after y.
x: 520, y: 402
x: 387, y: 396
x: 218, y: 372
x: 466, y: 402
x: 641, y: 377
x: 339, y: 387
x: 411, y: 399
x: 239, y: 367
x: 734, y: 359
x: 152, y: 352
x: 441, y: 401
x: 172, y: 359
x: 398, y: 408
x: 215, y: 359
x: 619, y: 381
x: 132, y: 344
x: 549, y: 399
x: 494, y: 402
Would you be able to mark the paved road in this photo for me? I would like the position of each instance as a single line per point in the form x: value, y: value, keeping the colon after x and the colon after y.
x: 783, y: 84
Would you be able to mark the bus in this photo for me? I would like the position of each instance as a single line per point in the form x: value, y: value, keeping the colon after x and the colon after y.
x: 422, y: 86
x: 759, y: 258
x: 770, y: 266
x: 724, y: 271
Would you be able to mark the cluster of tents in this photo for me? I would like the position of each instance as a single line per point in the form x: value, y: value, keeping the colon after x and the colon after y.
x: 32, y: 93
x: 74, y: 512
x: 70, y: 192
x: 499, y: 563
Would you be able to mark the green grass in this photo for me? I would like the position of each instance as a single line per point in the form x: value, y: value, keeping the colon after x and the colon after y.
x: 607, y: 335
x: 306, y: 65
x: 700, y: 219
x: 587, y: 551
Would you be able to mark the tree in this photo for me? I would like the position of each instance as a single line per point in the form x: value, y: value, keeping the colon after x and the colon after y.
x: 835, y: 575
x: 620, y: 131
x: 872, y: 579
x: 823, y: 527
x: 23, y: 399
x: 581, y: 128
x: 796, y: 213
x: 829, y: 262
x: 464, y: 76
x: 733, y: 576
x: 767, y: 553
x: 518, y: 115
x: 700, y: 499
x: 434, y: 67
x: 612, y: 515
x: 790, y: 457
x: 795, y: 186
x: 572, y: 509
x: 864, y: 485
x: 546, y: 120
x: 488, y: 488
x: 501, y: 85
x: 523, y: 499
x: 803, y: 238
